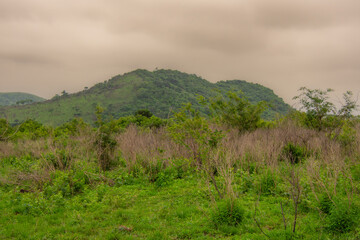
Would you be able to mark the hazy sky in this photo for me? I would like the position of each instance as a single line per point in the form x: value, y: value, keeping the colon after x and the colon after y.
x: 47, y: 46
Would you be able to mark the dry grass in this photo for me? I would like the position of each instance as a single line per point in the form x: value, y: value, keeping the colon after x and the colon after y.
x: 151, y: 148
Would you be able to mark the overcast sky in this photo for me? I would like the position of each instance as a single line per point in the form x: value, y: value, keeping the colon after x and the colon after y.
x: 47, y: 46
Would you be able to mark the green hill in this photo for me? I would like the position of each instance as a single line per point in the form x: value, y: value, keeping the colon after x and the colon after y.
x: 18, y: 98
x: 160, y: 91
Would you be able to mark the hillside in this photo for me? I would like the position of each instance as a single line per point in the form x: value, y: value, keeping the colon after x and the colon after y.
x: 160, y: 91
x: 18, y: 98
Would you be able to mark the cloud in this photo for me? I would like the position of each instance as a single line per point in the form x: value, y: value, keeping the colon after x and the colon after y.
x: 47, y: 45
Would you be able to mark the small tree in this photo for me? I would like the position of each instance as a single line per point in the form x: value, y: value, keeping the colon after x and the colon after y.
x: 104, y: 142
x: 237, y: 111
x: 320, y: 112
x: 192, y: 131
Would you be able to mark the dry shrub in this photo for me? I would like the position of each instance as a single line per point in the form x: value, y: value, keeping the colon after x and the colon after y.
x: 147, y: 147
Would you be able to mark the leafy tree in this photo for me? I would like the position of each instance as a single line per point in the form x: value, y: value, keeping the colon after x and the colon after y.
x: 320, y: 112
x: 64, y: 93
x: 237, y: 111
x: 192, y: 131
x: 143, y: 112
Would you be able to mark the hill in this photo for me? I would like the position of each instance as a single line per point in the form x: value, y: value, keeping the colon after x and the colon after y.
x: 18, y: 98
x: 160, y: 91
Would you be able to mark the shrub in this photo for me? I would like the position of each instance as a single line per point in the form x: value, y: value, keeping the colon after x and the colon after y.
x: 293, y: 153
x: 325, y: 204
x: 5, y: 129
x: 237, y: 111
x: 31, y: 129
x: 72, y: 128
x: 61, y: 159
x: 267, y: 183
x: 104, y: 141
x: 342, y: 218
x: 66, y: 183
x: 320, y: 112
x: 228, y: 212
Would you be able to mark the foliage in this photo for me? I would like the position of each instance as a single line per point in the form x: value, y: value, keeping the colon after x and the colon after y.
x: 342, y: 218
x: 31, y: 129
x: 192, y: 131
x: 320, y: 112
x: 71, y: 128
x: 104, y: 141
x: 13, y: 98
x: 267, y: 183
x: 236, y: 111
x: 228, y: 212
x: 293, y: 153
x: 326, y: 204
x: 143, y: 112
x: 160, y: 92
x: 5, y: 130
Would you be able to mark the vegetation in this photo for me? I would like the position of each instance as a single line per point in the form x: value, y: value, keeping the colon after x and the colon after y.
x: 160, y: 91
x: 230, y: 175
x: 17, y: 98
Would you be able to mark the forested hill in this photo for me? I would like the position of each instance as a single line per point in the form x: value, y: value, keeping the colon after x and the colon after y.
x: 160, y: 91
x: 18, y: 98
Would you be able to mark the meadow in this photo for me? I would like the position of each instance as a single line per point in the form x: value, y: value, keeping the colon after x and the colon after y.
x: 232, y: 176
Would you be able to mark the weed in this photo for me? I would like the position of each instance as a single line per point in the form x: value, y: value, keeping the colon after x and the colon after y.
x: 342, y: 218
x: 228, y: 212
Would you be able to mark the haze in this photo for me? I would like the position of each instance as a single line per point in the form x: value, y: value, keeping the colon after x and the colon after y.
x: 47, y: 46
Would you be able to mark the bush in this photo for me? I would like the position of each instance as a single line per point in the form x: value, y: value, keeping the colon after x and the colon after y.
x: 71, y: 128
x: 228, y: 212
x: 267, y: 183
x: 325, y: 204
x: 31, y: 129
x: 61, y: 159
x: 66, y: 183
x: 342, y: 218
x: 293, y: 153
x: 237, y: 111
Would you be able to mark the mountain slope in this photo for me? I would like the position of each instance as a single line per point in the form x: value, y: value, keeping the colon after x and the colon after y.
x: 160, y: 91
x: 13, y: 98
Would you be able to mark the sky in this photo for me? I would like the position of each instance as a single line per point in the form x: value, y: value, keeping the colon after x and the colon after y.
x: 47, y: 46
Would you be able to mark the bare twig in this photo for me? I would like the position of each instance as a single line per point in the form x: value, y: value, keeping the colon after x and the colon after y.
x: 283, y: 216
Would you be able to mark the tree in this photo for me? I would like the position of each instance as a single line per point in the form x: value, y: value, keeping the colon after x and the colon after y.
x: 320, y: 112
x: 237, y: 111
x: 64, y: 93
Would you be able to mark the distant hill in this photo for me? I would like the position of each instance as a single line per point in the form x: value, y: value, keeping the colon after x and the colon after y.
x: 160, y: 91
x: 18, y: 98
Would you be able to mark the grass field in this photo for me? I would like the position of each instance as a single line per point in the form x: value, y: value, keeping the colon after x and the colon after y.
x: 54, y: 188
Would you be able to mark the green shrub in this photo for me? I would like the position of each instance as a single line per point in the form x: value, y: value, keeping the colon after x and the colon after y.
x: 237, y: 111
x: 104, y: 141
x: 342, y: 218
x: 5, y: 130
x: 293, y: 153
x: 61, y: 159
x: 66, y: 183
x: 325, y: 204
x: 228, y: 212
x: 71, y: 128
x: 31, y: 129
x: 267, y: 183
x: 165, y: 177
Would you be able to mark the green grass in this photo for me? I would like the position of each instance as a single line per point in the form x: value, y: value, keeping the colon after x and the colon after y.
x: 141, y: 210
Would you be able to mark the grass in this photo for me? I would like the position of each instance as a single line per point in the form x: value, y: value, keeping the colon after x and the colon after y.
x: 154, y: 190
